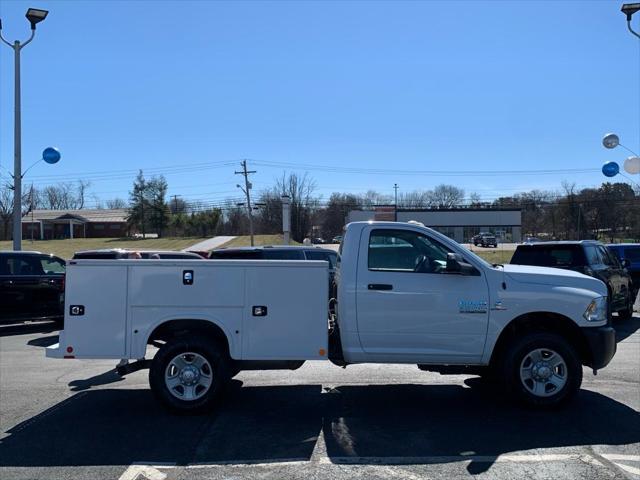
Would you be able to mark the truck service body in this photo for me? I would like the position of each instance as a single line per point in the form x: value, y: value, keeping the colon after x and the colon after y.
x: 404, y: 294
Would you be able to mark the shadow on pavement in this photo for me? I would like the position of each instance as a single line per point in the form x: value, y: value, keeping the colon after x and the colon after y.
x: 626, y: 328
x: 272, y: 424
x: 24, y: 328
x: 106, y: 378
x: 44, y: 342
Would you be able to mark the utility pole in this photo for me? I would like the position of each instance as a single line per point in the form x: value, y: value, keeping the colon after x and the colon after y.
x: 175, y: 203
x: 246, y: 190
x: 395, y: 210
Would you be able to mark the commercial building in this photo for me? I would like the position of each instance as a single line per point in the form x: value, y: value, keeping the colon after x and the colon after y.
x: 60, y: 224
x: 460, y: 224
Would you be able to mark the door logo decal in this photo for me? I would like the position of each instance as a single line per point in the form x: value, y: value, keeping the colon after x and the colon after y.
x: 472, y: 306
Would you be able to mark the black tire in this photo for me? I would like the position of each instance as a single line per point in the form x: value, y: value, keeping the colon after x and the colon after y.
x: 216, y: 357
x: 627, y: 313
x: 515, y: 356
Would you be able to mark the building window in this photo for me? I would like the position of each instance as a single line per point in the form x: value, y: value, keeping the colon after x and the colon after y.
x: 98, y: 226
x: 448, y: 231
x: 114, y: 226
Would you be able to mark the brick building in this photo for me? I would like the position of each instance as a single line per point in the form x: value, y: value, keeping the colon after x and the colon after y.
x: 60, y: 224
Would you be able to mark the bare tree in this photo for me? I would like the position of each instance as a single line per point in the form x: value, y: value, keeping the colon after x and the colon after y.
x: 372, y: 198
x: 62, y: 196
x: 475, y: 200
x: 116, y: 203
x: 6, y: 209
x: 446, y: 196
x: 414, y: 199
x: 300, y: 191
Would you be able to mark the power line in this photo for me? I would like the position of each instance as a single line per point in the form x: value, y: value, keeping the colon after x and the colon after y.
x: 452, y: 173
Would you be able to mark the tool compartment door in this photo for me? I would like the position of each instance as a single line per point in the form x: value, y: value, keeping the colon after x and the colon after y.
x: 286, y: 311
x: 96, y: 327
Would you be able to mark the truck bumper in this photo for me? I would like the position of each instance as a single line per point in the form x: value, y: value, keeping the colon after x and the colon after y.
x: 602, y: 345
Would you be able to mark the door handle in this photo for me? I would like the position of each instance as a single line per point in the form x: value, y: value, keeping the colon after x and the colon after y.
x: 380, y: 286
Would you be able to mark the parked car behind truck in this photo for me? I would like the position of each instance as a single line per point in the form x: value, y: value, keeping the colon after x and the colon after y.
x: 280, y: 252
x: 631, y: 253
x: 31, y: 286
x: 406, y: 294
x: 586, y: 256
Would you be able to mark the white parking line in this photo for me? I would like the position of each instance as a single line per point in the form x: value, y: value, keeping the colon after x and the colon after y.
x: 627, y: 468
x: 144, y: 472
x: 151, y: 470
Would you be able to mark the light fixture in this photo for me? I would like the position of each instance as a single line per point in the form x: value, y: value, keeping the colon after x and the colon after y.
x: 629, y: 9
x: 35, y: 15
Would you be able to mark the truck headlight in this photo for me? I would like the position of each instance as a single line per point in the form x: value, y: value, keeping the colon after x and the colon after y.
x: 597, y: 310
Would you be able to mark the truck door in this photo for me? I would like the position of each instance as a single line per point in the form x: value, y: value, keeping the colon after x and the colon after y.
x: 408, y: 306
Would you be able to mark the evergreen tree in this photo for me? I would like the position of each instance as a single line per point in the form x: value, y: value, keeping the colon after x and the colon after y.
x: 139, y: 205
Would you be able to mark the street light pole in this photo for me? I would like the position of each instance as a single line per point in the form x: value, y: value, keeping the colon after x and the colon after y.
x: 17, y: 155
x: 395, y: 205
x: 34, y: 16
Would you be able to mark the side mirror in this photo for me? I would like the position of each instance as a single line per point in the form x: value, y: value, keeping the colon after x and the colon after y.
x: 626, y: 263
x: 456, y: 264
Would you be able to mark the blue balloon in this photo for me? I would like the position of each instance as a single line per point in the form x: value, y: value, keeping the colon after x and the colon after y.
x: 51, y: 155
x: 610, y: 169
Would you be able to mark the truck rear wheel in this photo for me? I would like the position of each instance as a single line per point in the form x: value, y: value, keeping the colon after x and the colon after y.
x: 188, y: 374
x: 542, y: 370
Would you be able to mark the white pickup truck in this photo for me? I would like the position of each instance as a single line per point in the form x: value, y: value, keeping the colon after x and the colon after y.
x: 404, y: 294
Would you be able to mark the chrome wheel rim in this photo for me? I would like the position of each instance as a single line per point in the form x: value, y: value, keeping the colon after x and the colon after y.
x: 188, y: 376
x: 543, y: 372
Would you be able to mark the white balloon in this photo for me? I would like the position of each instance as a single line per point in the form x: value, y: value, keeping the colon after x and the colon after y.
x: 632, y: 165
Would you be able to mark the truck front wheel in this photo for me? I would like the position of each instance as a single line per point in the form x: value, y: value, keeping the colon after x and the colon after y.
x: 542, y: 370
x: 188, y: 374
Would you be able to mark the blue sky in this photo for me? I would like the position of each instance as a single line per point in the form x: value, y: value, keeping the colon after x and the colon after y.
x: 433, y: 86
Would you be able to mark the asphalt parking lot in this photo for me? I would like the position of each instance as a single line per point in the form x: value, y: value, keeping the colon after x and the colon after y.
x: 70, y: 419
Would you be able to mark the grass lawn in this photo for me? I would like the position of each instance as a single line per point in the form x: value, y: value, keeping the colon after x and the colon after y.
x: 495, y: 255
x: 66, y: 248
x: 245, y: 241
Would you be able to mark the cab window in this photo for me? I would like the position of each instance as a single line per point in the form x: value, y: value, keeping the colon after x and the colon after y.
x: 593, y: 258
x: 405, y: 251
x: 284, y: 254
x: 607, y: 258
x: 24, y: 265
x: 322, y: 255
x: 52, y: 265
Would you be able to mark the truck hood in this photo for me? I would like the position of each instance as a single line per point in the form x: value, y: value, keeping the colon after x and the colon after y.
x: 554, y: 276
